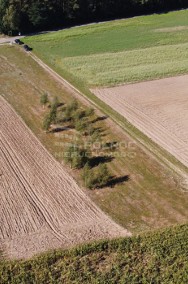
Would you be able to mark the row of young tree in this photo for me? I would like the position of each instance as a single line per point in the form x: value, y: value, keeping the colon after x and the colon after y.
x: 32, y: 15
x: 78, y: 154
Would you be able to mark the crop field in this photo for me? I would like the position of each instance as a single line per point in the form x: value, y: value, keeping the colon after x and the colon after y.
x: 117, y: 52
x: 152, y: 195
x: 159, y: 256
x: 157, y: 108
x: 42, y: 207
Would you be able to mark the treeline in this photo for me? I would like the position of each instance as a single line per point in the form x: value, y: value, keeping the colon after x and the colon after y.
x: 82, y: 151
x: 32, y: 15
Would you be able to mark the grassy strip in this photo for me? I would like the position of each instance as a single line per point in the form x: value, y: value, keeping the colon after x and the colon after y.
x: 152, y: 195
x: 109, y: 69
x: 158, y: 257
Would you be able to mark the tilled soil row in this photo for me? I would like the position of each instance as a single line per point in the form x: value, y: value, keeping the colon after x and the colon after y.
x: 41, y: 205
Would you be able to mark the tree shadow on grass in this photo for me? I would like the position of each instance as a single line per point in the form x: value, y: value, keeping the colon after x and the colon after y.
x: 60, y: 105
x: 99, y: 118
x: 59, y: 129
x: 110, y: 145
x: 113, y: 181
x: 95, y: 161
x: 101, y: 131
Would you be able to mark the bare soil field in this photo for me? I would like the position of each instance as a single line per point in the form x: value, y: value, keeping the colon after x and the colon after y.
x: 157, y: 108
x: 41, y: 206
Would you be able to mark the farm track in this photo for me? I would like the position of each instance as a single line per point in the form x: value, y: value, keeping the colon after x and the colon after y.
x: 41, y: 206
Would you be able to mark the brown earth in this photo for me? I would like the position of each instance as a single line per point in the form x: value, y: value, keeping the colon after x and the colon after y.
x: 41, y: 205
x: 157, y: 108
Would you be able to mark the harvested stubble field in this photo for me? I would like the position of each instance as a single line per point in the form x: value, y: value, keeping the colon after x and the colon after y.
x: 158, y: 108
x: 41, y: 206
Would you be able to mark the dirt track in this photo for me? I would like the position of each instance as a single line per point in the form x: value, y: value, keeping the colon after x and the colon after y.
x: 41, y: 206
x: 158, y: 108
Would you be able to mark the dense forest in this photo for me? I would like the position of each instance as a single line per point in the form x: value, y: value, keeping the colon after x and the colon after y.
x: 32, y: 15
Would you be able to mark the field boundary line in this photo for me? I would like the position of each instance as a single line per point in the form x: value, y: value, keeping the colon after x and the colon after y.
x: 150, y: 149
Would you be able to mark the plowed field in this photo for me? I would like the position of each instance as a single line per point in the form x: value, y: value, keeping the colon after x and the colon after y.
x: 41, y: 206
x: 158, y: 108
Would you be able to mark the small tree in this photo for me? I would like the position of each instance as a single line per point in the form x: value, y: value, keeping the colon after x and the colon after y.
x: 90, y: 129
x: 81, y: 126
x: 95, y: 178
x: 96, y: 136
x: 47, y: 122
x: 80, y: 159
x: 76, y: 156
x: 67, y: 115
x: 55, y: 102
x: 53, y: 112
x: 69, y: 154
x: 103, y: 175
x: 44, y: 99
x: 89, y: 112
x: 78, y: 114
x: 70, y: 111
x: 50, y: 117
x: 87, y: 176
x: 73, y: 105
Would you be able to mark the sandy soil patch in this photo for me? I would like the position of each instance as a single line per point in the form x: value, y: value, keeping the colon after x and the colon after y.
x: 158, y: 108
x: 41, y: 206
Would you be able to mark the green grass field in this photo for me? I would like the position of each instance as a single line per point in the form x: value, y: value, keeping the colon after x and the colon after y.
x: 159, y: 257
x: 131, y: 50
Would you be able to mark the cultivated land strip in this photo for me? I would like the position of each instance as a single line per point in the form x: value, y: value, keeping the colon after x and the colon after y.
x: 41, y: 206
x: 157, y: 108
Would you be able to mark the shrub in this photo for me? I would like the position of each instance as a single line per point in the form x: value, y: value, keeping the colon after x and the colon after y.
x: 55, y: 103
x: 88, y: 177
x: 73, y: 105
x: 89, y: 112
x: 81, y: 126
x: 44, y: 99
x: 96, y: 136
x: 53, y: 113
x: 95, y: 178
x: 47, y: 122
x: 103, y: 175
x: 70, y: 110
x: 76, y: 156
x: 79, y: 114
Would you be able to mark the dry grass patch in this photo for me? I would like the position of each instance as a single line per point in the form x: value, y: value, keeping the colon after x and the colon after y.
x: 172, y: 29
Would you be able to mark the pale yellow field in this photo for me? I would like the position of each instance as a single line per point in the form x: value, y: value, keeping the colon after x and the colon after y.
x: 158, y: 108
